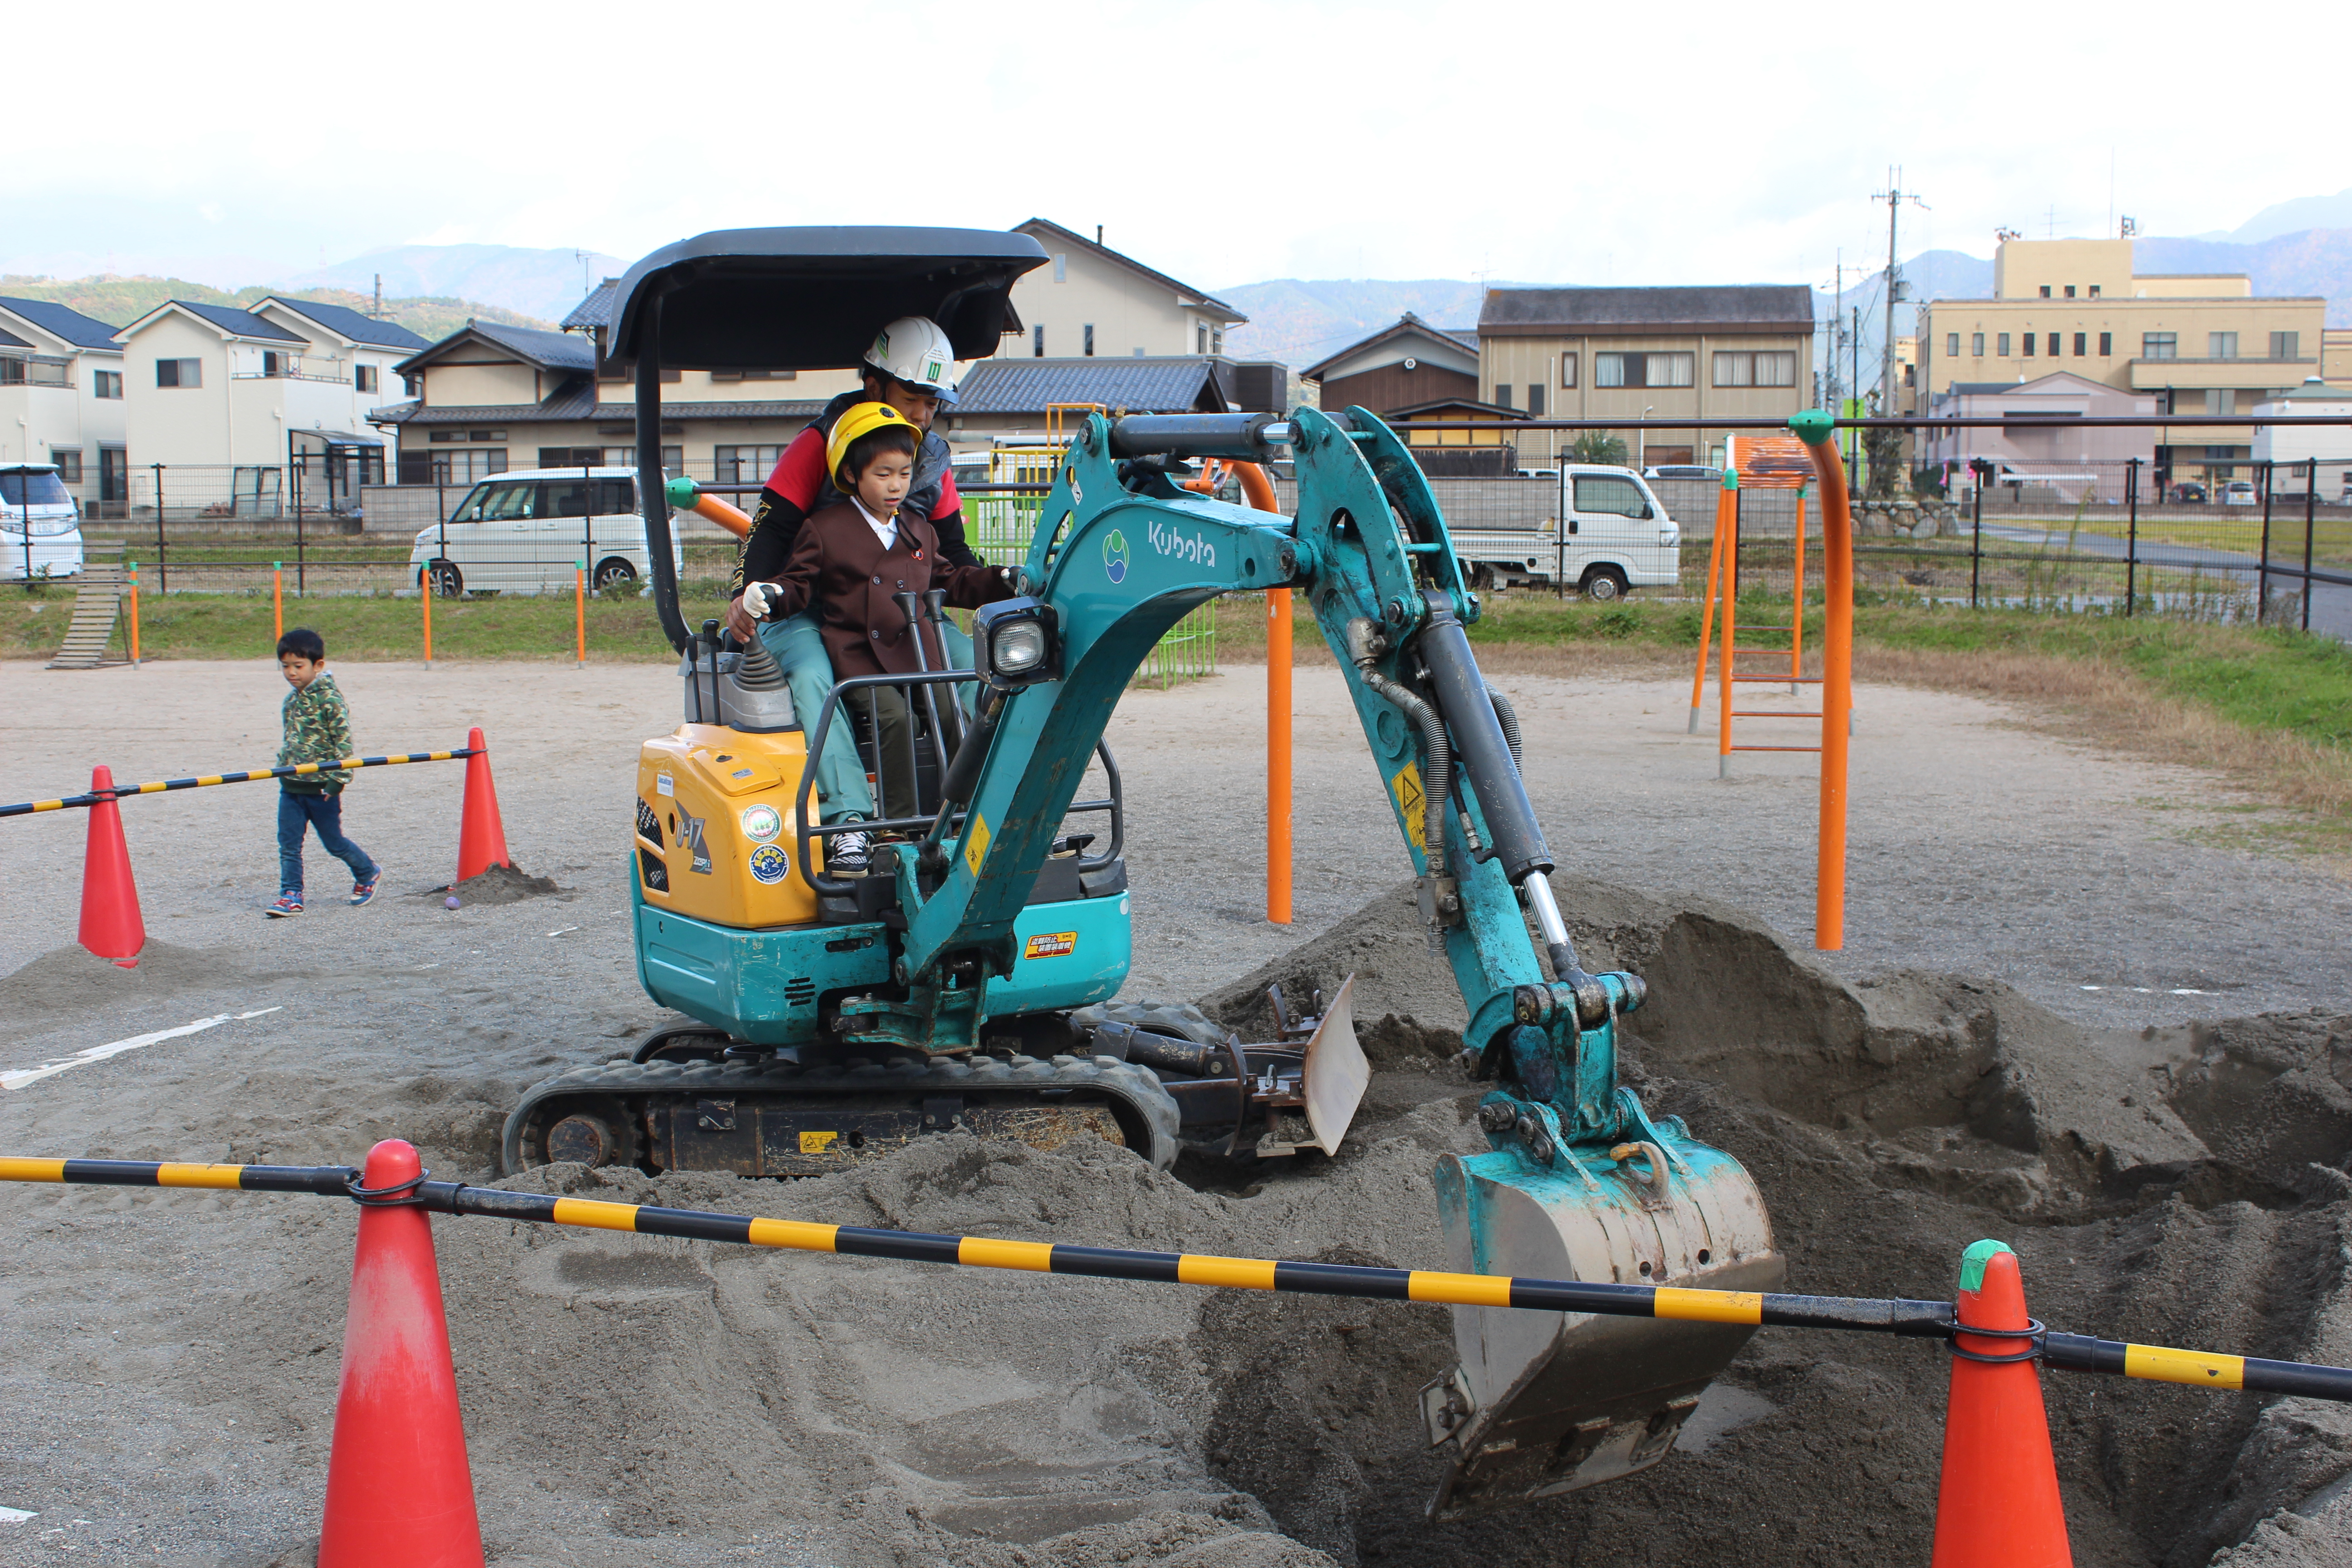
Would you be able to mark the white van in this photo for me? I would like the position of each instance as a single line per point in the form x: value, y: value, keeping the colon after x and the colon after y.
x: 1609, y: 532
x: 524, y: 531
x: 40, y: 527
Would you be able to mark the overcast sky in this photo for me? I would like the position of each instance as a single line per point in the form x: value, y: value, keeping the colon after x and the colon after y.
x: 1225, y: 143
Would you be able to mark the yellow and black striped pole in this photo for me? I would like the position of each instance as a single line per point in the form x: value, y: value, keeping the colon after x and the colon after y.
x: 252, y: 775
x: 1923, y: 1319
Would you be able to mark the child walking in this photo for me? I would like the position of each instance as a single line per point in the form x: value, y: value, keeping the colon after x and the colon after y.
x: 318, y: 729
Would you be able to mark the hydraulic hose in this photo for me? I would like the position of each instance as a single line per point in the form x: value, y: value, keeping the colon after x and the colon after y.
x: 1438, y: 787
x: 1508, y: 718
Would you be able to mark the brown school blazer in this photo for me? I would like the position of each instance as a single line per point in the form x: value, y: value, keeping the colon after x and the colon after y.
x: 838, y: 565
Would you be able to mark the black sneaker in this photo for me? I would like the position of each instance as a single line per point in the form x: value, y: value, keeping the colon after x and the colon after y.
x: 847, y: 854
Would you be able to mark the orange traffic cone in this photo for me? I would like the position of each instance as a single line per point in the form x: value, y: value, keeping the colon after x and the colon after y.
x: 481, y: 837
x: 398, y: 1488
x: 110, y: 923
x: 1997, y: 1505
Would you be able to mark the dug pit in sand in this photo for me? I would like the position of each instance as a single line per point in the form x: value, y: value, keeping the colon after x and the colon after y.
x: 633, y: 1399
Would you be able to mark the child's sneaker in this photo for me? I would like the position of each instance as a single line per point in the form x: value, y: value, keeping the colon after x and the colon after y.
x: 362, y: 891
x: 846, y: 855
x: 287, y: 906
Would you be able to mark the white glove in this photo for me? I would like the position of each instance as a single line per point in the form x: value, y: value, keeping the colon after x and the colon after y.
x: 758, y: 597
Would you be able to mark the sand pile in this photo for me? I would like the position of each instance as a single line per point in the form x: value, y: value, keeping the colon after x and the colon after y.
x: 666, y: 1403
x: 497, y: 885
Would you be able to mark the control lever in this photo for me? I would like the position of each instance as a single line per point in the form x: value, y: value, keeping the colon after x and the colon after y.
x: 935, y: 602
x: 905, y: 602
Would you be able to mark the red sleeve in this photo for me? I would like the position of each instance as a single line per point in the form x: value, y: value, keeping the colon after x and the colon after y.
x: 800, y: 472
x: 950, y: 503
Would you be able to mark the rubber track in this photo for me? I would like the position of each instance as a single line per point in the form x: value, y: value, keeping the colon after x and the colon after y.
x: 1132, y: 1085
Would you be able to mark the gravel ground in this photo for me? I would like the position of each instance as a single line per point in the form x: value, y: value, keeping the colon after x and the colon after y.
x: 614, y: 1424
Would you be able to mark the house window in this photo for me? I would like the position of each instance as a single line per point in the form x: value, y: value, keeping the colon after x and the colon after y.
x: 1038, y: 340
x: 1200, y: 337
x: 1568, y: 370
x: 2220, y: 345
x: 622, y: 370
x: 2107, y: 345
x: 1086, y: 335
x: 1216, y: 340
x: 2284, y: 345
x: 1061, y: 268
x: 2003, y: 347
x: 1976, y: 344
x: 1536, y: 398
x: 744, y: 465
x: 68, y: 462
x: 2081, y: 345
x: 109, y: 383
x: 2045, y: 290
x: 1502, y: 395
x: 363, y: 378
x: 179, y: 372
x: 1642, y: 370
x: 2160, y: 345
x: 569, y: 458
x: 755, y: 376
x: 1952, y: 344
x: 2219, y: 401
x: 2054, y: 345
x: 459, y: 467
x: 2029, y: 345
x: 2094, y: 290
x: 2070, y: 291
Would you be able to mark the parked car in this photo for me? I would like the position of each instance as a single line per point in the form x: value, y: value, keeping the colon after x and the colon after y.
x: 2189, y: 490
x: 1682, y: 471
x: 522, y: 531
x: 40, y: 527
x: 2239, y: 492
x: 1608, y: 533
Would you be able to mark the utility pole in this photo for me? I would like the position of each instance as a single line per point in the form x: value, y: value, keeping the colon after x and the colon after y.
x: 1893, y: 196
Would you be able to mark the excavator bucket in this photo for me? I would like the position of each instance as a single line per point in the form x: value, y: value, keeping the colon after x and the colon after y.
x: 1333, y: 1078
x: 1553, y: 1401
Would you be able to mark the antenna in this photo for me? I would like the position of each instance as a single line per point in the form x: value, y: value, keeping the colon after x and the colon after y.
x: 1893, y: 196
x: 586, y: 259
x: 378, y: 312
x: 2127, y: 226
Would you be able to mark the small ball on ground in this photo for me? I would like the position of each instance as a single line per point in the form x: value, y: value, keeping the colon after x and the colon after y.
x: 451, y: 903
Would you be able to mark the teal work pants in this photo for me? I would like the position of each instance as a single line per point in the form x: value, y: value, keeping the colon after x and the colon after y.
x: 841, y: 787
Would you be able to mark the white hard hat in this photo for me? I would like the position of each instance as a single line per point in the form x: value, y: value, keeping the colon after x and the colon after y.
x: 914, y: 349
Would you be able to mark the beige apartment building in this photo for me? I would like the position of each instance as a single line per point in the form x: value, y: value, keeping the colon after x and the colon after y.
x: 2200, y: 343
x: 1737, y: 352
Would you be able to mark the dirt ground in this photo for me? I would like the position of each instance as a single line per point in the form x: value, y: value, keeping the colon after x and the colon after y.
x: 2081, y: 1007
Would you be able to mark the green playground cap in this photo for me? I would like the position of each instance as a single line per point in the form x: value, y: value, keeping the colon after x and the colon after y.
x: 1813, y: 427
x: 681, y: 492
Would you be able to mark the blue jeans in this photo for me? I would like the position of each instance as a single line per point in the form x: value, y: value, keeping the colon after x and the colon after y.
x: 841, y: 787
x: 325, y: 813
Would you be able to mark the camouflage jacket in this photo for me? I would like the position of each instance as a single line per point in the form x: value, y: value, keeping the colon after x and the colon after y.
x: 318, y: 729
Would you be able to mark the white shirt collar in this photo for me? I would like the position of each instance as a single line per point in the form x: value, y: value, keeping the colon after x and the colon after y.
x: 885, y: 529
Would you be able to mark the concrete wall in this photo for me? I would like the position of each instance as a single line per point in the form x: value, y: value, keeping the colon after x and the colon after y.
x: 484, y: 385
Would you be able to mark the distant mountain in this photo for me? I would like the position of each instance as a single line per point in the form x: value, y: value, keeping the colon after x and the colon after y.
x: 122, y: 301
x: 1299, y: 321
x: 2309, y: 261
x: 2291, y: 217
x: 544, y: 284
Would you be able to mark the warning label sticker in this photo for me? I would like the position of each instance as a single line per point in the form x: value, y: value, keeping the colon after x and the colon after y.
x: 1051, y: 944
x: 975, y: 843
x: 1406, y: 788
x: 818, y: 1142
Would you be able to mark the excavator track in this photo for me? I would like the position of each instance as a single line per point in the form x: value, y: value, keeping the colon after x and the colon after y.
x: 769, y: 1118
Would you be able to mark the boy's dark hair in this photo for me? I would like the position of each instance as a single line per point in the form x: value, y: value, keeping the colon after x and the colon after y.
x: 870, y: 445
x: 303, y: 643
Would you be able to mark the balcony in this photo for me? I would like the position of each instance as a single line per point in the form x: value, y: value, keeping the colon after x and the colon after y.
x: 295, y: 367
x: 35, y: 370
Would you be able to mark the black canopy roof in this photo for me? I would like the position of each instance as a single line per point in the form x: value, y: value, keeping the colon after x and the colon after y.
x: 812, y: 299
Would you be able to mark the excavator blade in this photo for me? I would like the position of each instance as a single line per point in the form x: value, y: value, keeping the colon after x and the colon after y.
x: 1333, y: 1078
x: 1553, y: 1401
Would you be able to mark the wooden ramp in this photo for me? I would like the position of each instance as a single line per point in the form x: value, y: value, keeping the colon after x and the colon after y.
x: 98, y: 606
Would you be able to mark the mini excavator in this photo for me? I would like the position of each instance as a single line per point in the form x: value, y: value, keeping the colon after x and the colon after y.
x: 966, y: 985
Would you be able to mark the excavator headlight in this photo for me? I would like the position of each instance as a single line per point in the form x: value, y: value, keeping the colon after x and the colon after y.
x: 1016, y: 643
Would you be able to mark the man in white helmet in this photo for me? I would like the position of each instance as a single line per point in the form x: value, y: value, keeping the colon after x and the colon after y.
x: 908, y: 367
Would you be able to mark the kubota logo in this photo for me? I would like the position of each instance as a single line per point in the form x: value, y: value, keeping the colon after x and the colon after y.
x: 1114, y: 556
x: 1193, y: 549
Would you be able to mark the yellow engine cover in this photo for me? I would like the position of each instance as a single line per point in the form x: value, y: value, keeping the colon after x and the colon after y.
x: 716, y: 834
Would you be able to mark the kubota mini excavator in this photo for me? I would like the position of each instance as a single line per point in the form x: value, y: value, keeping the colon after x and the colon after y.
x: 966, y: 985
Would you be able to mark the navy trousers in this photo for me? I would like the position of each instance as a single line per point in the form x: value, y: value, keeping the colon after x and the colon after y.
x: 297, y: 813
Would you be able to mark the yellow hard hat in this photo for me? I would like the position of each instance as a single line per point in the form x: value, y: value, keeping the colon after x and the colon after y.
x: 860, y: 419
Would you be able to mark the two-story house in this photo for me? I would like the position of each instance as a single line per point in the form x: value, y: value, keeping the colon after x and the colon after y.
x: 61, y: 399
x: 231, y: 396
x: 1091, y: 303
x: 1743, y: 351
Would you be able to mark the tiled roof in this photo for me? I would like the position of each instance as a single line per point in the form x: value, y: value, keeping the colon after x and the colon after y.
x: 1136, y: 385
x: 1744, y: 304
x: 1405, y: 325
x: 596, y: 310
x: 243, y: 323
x: 82, y: 331
x: 555, y: 350
x: 353, y: 324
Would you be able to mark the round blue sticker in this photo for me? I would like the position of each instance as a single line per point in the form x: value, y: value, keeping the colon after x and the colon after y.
x: 1114, y: 556
x: 770, y: 863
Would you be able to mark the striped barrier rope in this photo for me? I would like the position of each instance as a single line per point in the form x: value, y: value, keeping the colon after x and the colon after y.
x: 1925, y: 1319
x: 24, y: 808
